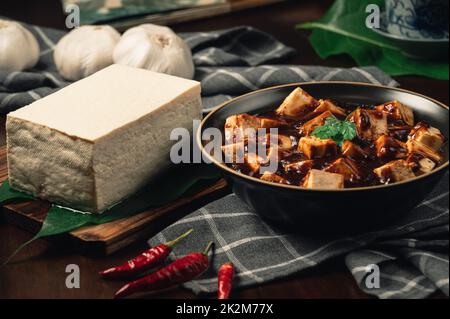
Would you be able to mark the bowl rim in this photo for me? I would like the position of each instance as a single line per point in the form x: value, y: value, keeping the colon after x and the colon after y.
x: 299, y: 188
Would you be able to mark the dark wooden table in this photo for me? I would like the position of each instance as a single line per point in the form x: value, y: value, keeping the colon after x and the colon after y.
x: 39, y: 271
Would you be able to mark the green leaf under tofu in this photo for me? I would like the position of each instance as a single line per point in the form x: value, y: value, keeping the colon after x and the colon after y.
x: 7, y: 194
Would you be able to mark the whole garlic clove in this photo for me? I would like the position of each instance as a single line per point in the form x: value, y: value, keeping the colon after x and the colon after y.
x: 155, y: 48
x: 19, y: 49
x: 85, y: 50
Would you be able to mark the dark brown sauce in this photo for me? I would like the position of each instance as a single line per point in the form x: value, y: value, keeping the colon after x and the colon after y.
x: 400, y: 132
x: 391, y: 149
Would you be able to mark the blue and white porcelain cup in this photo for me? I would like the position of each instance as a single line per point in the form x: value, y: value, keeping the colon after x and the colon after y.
x: 417, y: 19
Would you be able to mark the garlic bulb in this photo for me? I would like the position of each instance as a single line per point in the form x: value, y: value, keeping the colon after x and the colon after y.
x: 155, y: 48
x: 85, y: 50
x: 19, y: 49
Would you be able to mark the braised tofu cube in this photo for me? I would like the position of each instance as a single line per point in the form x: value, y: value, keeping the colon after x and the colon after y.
x: 389, y: 147
x: 298, y: 104
x: 311, y: 125
x: 274, y: 146
x: 274, y: 178
x: 351, y: 150
x: 426, y: 165
x: 234, y: 153
x: 317, y: 179
x: 345, y: 167
x: 313, y: 147
x: 417, y: 147
x: 428, y: 135
x: 420, y: 164
x: 397, y: 111
x: 284, y: 142
x: 270, y: 123
x: 253, y: 162
x: 300, y: 167
x: 327, y: 105
x: 239, y: 127
x: 273, y: 155
x: 370, y: 124
x: 243, y: 121
x: 395, y: 171
x: 268, y: 161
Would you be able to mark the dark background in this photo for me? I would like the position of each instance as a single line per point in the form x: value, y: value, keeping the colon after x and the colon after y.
x: 39, y: 271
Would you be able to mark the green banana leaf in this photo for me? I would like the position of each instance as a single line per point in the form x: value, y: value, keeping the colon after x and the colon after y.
x: 342, y: 30
x: 173, y: 184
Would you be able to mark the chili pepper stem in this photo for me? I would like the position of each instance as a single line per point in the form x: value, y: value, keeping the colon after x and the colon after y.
x: 176, y: 240
x: 208, y: 248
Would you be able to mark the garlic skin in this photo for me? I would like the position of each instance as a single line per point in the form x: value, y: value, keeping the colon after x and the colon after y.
x: 19, y: 49
x: 155, y: 48
x: 85, y: 50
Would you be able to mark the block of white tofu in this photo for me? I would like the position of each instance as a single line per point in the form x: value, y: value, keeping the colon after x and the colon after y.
x: 317, y: 179
x: 99, y: 140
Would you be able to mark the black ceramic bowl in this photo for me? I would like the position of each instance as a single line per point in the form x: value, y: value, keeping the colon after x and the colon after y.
x: 320, y: 210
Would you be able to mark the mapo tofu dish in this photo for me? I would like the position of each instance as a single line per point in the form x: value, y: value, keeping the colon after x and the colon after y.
x: 320, y: 144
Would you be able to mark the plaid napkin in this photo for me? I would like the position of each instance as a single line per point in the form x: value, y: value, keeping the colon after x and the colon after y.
x: 228, y: 63
x: 411, y: 254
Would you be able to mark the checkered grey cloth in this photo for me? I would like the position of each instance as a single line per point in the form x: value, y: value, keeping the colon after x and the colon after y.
x: 410, y: 256
x: 228, y: 63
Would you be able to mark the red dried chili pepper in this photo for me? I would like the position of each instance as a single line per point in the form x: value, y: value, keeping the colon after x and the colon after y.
x: 180, y: 271
x: 225, y: 280
x: 148, y: 259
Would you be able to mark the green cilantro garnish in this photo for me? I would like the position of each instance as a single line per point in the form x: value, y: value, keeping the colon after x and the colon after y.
x: 337, y: 130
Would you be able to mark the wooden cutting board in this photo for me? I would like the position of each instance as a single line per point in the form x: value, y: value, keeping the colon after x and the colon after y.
x: 106, y: 238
